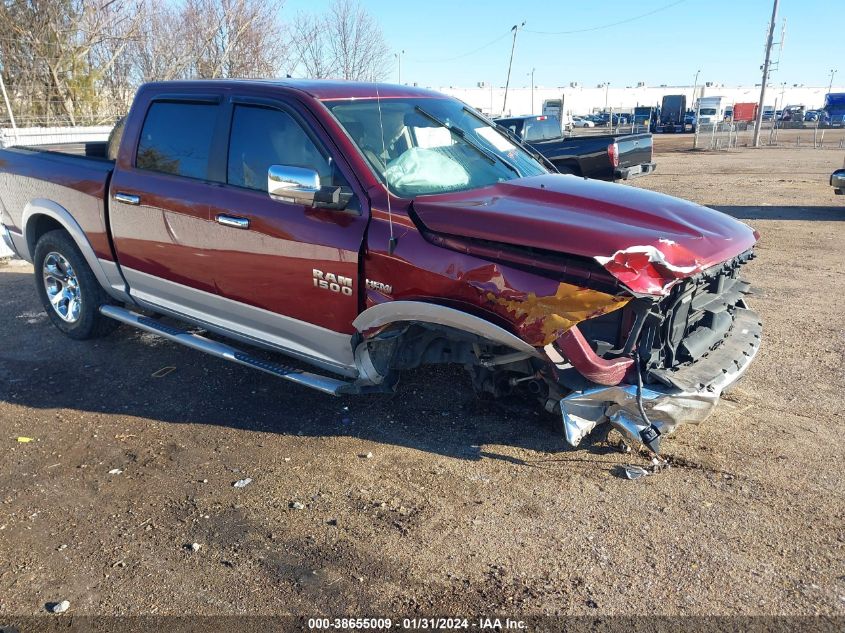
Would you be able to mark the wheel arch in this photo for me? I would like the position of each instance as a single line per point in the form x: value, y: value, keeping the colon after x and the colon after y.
x: 394, y: 312
x: 41, y: 216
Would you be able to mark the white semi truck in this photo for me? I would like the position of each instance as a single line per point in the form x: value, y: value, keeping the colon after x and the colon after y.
x: 711, y: 110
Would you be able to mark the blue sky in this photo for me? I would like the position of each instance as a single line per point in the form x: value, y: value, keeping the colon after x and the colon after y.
x: 724, y: 38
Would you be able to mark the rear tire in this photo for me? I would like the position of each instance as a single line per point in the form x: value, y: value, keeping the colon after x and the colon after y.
x: 68, y: 289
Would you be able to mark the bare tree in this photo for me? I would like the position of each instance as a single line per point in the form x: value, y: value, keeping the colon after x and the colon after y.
x: 356, y: 42
x: 80, y: 61
x: 160, y: 51
x: 310, y: 47
x: 345, y: 43
x: 57, y: 52
x: 234, y: 38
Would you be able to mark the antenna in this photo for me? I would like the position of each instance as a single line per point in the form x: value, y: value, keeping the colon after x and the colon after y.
x: 391, y: 245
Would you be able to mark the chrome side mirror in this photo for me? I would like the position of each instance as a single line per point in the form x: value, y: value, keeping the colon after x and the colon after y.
x: 293, y: 184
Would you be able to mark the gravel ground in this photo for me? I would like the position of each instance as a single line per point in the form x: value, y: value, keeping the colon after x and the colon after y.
x: 432, y: 503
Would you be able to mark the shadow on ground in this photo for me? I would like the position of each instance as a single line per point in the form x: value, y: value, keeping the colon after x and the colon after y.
x: 434, y: 409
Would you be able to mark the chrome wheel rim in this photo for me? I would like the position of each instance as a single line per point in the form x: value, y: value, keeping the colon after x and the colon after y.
x: 62, y: 287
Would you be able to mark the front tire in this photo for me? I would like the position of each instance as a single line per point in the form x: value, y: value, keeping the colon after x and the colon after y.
x: 68, y: 289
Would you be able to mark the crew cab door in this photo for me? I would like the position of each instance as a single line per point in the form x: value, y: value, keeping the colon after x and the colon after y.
x: 288, y: 271
x: 159, y: 196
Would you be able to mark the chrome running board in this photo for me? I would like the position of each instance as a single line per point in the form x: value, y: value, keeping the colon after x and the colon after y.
x: 331, y: 386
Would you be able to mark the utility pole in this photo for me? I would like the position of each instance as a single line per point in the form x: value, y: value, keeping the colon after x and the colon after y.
x: 830, y: 85
x: 759, y: 119
x: 697, y: 109
x: 515, y: 30
x: 399, y: 57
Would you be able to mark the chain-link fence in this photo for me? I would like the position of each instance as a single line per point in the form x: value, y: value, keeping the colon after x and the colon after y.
x: 729, y: 134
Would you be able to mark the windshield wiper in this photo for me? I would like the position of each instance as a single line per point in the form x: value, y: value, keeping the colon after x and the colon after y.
x: 488, y: 156
x: 514, y: 138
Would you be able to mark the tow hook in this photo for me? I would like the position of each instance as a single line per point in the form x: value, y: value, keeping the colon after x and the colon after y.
x: 651, y: 438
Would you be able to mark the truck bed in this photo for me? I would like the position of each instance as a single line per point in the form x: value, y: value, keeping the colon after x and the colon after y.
x: 74, y: 176
x: 587, y: 155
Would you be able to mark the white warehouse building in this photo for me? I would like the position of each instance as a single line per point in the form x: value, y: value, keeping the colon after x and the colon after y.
x: 580, y: 99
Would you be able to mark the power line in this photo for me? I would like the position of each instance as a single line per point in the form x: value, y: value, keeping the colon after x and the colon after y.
x: 611, y: 24
x: 462, y: 55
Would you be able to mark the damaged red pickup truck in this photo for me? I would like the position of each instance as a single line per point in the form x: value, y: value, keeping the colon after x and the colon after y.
x: 370, y: 229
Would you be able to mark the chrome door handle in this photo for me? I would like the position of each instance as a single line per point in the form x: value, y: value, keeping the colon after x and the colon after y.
x: 127, y: 198
x: 233, y: 221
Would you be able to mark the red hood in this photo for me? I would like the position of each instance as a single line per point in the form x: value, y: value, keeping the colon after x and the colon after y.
x: 646, y: 240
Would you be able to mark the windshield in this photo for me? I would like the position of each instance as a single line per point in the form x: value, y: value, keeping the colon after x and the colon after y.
x: 708, y: 111
x: 431, y: 145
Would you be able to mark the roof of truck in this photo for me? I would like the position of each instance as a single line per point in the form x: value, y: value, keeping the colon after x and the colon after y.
x: 323, y: 89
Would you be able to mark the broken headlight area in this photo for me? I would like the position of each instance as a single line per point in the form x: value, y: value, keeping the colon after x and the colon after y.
x: 691, y: 346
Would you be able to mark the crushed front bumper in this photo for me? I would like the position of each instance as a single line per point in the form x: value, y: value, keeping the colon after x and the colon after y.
x: 688, y: 394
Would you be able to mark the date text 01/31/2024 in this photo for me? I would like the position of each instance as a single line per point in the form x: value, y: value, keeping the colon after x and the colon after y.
x: 416, y: 624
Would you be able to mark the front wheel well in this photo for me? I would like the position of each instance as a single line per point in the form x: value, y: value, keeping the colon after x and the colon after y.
x: 495, y: 368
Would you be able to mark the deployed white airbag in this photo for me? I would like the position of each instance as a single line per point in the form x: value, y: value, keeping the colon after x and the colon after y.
x: 426, y: 169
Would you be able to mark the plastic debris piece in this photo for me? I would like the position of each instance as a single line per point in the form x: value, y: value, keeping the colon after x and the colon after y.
x: 161, y: 373
x: 24, y: 440
x: 115, y: 471
x: 60, y: 607
x: 634, y: 472
x: 658, y: 465
x: 242, y: 483
x: 296, y: 505
x: 195, y: 547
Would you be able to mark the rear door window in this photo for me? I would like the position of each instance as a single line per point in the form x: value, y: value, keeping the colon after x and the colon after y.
x: 176, y: 138
x: 542, y: 129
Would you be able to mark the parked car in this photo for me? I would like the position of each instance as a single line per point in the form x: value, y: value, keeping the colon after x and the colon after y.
x: 369, y: 229
x: 618, y: 119
x: 605, y: 156
x: 582, y: 122
x: 793, y: 113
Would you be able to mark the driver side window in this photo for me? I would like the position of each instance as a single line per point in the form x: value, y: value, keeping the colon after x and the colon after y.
x: 262, y: 137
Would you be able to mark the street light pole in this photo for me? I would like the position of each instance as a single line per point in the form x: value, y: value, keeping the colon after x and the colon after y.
x: 759, y: 119
x: 830, y: 85
x: 399, y: 57
x: 515, y: 28
x: 532, y: 92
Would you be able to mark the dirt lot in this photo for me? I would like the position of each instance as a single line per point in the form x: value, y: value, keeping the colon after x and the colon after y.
x: 462, y: 508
